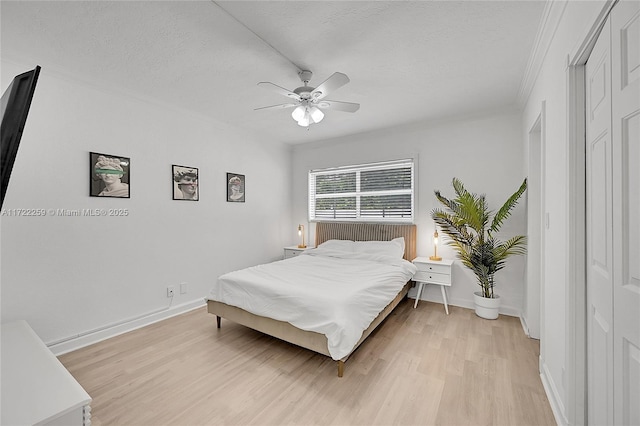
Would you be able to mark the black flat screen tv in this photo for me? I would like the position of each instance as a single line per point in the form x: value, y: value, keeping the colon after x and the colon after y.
x: 16, y: 101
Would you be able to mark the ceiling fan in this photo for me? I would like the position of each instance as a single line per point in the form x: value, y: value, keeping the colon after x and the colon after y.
x: 309, y: 101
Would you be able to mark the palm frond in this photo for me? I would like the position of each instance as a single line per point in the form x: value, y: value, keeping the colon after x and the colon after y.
x: 450, y: 226
x: 471, y: 208
x: 505, y: 211
x: 451, y: 205
x: 514, y: 246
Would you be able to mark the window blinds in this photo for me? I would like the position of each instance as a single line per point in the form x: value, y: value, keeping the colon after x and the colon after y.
x: 380, y: 192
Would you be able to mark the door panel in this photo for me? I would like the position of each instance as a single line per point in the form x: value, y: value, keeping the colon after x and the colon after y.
x: 599, y: 221
x: 600, y: 338
x: 629, y: 34
x: 625, y: 50
x: 630, y: 201
x: 600, y: 208
x: 631, y: 383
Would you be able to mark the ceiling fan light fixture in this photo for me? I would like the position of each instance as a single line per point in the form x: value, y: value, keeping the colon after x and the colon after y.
x: 298, y: 113
x: 316, y: 114
x: 304, y: 121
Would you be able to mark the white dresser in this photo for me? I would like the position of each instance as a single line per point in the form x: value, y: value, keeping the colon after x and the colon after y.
x: 36, y: 387
x: 433, y: 272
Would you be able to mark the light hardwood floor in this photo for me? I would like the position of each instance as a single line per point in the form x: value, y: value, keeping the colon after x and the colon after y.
x: 420, y: 367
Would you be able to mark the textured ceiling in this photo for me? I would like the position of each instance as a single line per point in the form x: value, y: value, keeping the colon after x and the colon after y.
x: 408, y: 61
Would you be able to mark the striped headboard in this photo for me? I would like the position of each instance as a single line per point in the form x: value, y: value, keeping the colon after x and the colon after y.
x: 357, y: 231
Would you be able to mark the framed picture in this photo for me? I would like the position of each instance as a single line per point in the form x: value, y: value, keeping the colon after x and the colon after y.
x: 109, y: 175
x: 235, y: 188
x: 185, y: 183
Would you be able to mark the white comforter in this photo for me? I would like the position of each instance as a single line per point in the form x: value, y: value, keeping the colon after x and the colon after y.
x: 328, y: 291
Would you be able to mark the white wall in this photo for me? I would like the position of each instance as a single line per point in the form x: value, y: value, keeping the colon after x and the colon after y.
x: 550, y: 87
x: 485, y: 152
x: 70, y: 275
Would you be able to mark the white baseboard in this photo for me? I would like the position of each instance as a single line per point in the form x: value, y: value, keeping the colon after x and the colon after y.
x: 462, y: 303
x: 94, y: 336
x: 525, y: 327
x: 557, y: 407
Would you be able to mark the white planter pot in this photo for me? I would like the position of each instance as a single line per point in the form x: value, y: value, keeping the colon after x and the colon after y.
x: 485, y: 307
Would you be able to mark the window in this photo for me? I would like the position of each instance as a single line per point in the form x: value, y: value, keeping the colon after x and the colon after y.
x: 380, y: 192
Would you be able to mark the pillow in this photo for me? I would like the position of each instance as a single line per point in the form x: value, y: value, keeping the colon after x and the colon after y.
x: 343, y: 245
x: 393, y: 248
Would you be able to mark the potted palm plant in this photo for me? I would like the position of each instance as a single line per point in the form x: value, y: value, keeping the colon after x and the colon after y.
x: 472, y: 227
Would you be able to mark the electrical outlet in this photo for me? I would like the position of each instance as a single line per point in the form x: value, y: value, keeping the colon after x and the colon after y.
x: 183, y: 288
x: 170, y: 291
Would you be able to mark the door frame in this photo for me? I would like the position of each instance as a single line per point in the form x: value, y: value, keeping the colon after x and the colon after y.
x: 576, y: 289
x: 534, y: 309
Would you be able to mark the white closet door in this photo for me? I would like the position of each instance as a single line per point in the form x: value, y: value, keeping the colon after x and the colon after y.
x: 613, y: 220
x: 599, y: 223
x: 625, y: 57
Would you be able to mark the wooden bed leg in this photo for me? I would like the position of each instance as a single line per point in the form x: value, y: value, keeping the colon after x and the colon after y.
x: 218, y: 321
x: 340, y: 368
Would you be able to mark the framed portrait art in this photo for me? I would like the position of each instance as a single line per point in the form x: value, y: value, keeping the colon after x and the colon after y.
x: 109, y: 175
x: 235, y: 188
x: 185, y: 183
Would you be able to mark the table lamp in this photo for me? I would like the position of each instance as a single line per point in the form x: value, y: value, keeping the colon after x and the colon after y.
x: 435, y: 247
x: 301, y: 233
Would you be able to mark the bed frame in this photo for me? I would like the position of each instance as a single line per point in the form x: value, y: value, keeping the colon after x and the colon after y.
x: 317, y: 342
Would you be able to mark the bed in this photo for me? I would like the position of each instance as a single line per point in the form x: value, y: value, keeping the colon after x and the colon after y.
x: 351, y: 277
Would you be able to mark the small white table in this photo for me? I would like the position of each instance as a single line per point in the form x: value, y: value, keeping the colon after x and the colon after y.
x: 293, y: 251
x: 433, y: 272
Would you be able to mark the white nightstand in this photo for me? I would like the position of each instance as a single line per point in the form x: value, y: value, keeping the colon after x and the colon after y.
x: 433, y: 272
x: 293, y: 251
x: 36, y: 387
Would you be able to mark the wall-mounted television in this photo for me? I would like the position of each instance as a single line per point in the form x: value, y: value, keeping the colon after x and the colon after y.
x: 16, y: 101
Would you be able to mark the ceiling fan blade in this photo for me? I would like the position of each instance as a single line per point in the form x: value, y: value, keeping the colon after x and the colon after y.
x: 339, y: 106
x: 278, y: 89
x: 280, y: 106
x: 336, y: 81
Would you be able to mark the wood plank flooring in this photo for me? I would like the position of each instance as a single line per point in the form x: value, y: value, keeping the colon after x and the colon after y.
x: 420, y: 367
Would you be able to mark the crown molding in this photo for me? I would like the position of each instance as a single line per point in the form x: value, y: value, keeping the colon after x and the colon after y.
x: 551, y: 16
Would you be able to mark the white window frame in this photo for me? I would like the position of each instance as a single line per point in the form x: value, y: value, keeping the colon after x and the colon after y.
x: 312, y: 196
